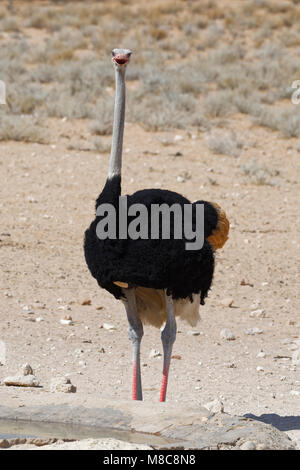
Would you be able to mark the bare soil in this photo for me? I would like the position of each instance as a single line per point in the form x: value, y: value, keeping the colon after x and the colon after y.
x: 47, y: 201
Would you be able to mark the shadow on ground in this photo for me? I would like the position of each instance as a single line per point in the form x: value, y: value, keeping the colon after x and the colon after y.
x: 283, y: 423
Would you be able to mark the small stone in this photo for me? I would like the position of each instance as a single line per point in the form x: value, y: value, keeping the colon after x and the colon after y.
x: 178, y: 137
x: 261, y: 354
x: 64, y: 307
x: 27, y: 369
x: 180, y: 179
x: 154, y: 353
x: 109, y: 327
x: 248, y: 445
x: 295, y: 392
x: 227, y: 302
x: 245, y: 283
x: 66, y: 321
x: 62, y: 384
x: 259, y: 313
x: 86, y: 302
x: 259, y: 369
x: 4, y: 444
x: 253, y: 331
x: 193, y: 333
x: 22, y: 381
x: 227, y: 334
x: 215, y: 406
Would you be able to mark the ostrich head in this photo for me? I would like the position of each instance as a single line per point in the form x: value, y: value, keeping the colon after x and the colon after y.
x: 120, y: 57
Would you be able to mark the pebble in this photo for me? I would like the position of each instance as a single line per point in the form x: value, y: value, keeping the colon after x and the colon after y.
x: 227, y: 302
x: 253, y: 331
x: 259, y: 313
x: 295, y: 392
x: 107, y: 326
x: 227, y: 334
x: 27, y: 369
x: 62, y: 384
x: 178, y: 137
x: 261, y: 354
x: 154, y: 353
x: 180, y: 179
x: 215, y: 406
x: 66, y: 321
x: 193, y: 333
x: 259, y: 369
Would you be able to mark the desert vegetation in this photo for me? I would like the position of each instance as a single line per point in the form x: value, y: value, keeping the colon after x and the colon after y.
x: 195, y: 64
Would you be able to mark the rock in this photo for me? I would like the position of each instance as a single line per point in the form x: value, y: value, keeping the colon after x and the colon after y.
x: 28, y: 309
x: 86, y: 302
x: 172, y: 425
x: 154, y: 353
x: 296, y: 357
x: 177, y: 138
x: 215, y: 406
x: 248, y: 445
x: 22, y: 381
x: 193, y: 333
x: 295, y: 392
x: 27, y: 369
x: 4, y: 444
x: 109, y: 327
x: 180, y: 179
x: 227, y: 334
x: 261, y: 354
x: 227, y: 302
x: 253, y: 331
x: 259, y: 369
x: 67, y: 320
x: 259, y: 313
x: 62, y: 384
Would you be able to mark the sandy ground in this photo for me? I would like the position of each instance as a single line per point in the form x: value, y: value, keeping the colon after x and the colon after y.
x: 47, y: 201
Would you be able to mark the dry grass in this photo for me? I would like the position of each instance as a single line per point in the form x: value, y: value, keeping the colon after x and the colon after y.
x: 260, y: 174
x: 23, y: 129
x: 225, y: 144
x: 191, y: 66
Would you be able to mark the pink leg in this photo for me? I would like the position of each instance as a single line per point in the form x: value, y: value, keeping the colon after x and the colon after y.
x: 168, y: 337
x: 135, y: 333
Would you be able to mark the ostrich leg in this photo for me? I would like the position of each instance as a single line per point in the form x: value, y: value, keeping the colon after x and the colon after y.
x: 135, y: 334
x: 168, y: 337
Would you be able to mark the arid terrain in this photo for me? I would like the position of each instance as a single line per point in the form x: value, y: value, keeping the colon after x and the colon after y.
x: 209, y: 115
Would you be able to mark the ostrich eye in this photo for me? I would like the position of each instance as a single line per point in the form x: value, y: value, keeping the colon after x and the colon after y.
x: 112, y: 53
x: 129, y: 54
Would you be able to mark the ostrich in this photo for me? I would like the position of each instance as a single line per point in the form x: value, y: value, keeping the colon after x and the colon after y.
x: 156, y: 279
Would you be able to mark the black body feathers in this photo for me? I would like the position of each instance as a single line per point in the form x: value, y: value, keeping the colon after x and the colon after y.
x: 159, y: 264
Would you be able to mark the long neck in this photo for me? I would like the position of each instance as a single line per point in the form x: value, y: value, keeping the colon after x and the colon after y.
x: 115, y: 163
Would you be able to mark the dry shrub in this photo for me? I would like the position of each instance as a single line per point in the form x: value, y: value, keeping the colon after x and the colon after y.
x: 225, y: 144
x: 21, y: 128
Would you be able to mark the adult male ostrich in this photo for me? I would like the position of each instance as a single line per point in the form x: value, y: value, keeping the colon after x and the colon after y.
x: 156, y: 279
